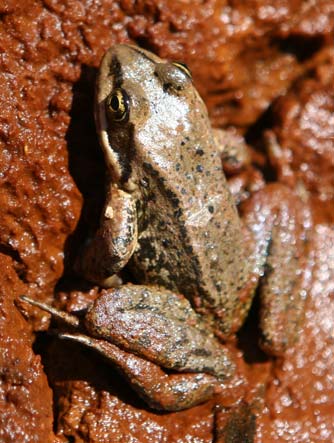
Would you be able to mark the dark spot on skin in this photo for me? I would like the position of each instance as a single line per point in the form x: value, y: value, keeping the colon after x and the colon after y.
x: 146, y: 244
x: 178, y: 213
x: 183, y: 191
x: 201, y: 353
x: 172, y: 198
x: 177, y: 167
x: 218, y: 287
x: 199, y: 168
x: 165, y: 243
x: 199, y: 151
x: 150, y: 170
x: 183, y: 143
x: 162, y: 263
x: 152, y: 197
x: 166, y: 87
x: 268, y: 269
x: 189, y: 249
x: 211, y: 209
x: 140, y: 306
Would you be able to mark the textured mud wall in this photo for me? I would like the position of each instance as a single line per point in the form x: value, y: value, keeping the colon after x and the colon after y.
x: 265, y: 67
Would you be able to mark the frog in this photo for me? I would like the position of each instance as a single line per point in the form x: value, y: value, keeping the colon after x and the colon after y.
x: 170, y: 218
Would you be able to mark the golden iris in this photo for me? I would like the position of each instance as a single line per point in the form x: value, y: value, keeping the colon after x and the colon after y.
x: 117, y: 104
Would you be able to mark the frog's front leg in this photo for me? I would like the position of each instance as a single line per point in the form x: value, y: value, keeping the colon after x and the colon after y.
x: 277, y: 222
x: 114, y: 242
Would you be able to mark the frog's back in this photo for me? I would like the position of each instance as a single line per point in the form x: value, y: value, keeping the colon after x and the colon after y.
x: 163, y: 152
x: 190, y: 234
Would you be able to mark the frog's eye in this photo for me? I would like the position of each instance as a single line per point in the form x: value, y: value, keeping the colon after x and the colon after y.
x: 117, y: 105
x: 184, y: 68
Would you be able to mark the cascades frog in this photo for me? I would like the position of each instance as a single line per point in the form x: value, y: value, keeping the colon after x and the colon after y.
x: 170, y: 217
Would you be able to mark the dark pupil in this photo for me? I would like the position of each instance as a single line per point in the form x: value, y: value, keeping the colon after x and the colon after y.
x: 114, y: 103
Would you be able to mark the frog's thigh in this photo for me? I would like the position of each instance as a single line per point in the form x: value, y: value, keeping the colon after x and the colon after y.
x: 115, y: 240
x: 168, y: 392
x: 276, y: 220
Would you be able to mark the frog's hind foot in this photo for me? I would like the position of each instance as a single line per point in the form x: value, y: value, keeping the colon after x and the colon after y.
x: 68, y: 319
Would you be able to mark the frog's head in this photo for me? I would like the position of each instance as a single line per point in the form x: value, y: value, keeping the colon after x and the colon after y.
x: 144, y: 107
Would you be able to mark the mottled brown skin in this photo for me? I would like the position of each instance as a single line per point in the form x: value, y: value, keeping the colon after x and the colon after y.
x: 170, y: 215
x: 160, y: 326
x: 164, y: 156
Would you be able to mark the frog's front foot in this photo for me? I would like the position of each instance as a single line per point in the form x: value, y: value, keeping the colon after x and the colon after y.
x: 145, y: 331
x: 277, y: 221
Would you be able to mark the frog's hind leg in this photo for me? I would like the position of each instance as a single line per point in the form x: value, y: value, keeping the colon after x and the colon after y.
x: 277, y: 221
x: 161, y: 391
